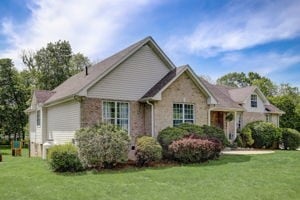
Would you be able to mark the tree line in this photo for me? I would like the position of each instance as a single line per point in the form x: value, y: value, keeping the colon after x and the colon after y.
x: 49, y: 66
x: 45, y: 69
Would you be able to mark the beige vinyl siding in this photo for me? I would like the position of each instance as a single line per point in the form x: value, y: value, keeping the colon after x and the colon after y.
x: 63, y: 121
x: 132, y: 79
x: 260, y: 105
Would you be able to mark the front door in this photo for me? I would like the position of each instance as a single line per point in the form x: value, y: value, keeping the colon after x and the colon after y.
x: 217, y: 119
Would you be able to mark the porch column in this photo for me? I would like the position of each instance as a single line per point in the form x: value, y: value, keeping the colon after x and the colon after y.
x: 235, y: 124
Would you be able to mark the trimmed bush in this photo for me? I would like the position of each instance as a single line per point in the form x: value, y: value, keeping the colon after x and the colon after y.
x: 191, y: 128
x: 245, y: 137
x: 147, y: 150
x: 102, y: 146
x: 170, y: 134
x: 211, y: 132
x: 290, y: 138
x: 167, y: 136
x: 190, y: 150
x: 265, y: 134
x: 64, y: 158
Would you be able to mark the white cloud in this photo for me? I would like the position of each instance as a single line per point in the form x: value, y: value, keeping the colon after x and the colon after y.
x: 239, y: 26
x: 263, y: 63
x: 90, y: 26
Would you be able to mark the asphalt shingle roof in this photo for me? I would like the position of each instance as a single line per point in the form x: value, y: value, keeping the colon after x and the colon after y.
x: 163, y: 82
x: 42, y: 95
x: 221, y: 93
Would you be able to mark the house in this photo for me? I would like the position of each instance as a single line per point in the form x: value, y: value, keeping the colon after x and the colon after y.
x: 142, y: 91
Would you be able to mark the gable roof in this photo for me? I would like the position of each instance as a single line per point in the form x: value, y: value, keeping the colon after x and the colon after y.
x: 77, y: 84
x: 240, y: 95
x: 273, y: 109
x: 155, y: 92
x: 42, y: 95
x: 232, y: 98
x: 222, y: 95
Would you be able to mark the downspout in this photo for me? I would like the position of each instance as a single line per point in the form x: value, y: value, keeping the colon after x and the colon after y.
x: 152, y: 117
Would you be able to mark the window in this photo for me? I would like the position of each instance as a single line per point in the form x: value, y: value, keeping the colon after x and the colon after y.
x: 268, y: 118
x: 183, y: 113
x: 116, y: 113
x: 38, y: 118
x: 253, y: 100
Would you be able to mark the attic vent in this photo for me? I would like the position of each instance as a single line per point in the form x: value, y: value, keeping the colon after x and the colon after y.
x: 268, y: 109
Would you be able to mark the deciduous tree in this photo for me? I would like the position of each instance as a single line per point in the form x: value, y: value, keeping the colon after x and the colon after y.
x: 53, y: 64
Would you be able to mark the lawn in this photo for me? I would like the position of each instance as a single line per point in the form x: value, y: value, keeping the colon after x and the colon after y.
x: 270, y: 176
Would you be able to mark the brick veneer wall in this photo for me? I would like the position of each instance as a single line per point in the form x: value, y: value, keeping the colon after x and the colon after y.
x: 90, y: 111
x: 182, y: 90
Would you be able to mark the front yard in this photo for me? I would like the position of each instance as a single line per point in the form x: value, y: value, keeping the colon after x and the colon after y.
x: 270, y: 176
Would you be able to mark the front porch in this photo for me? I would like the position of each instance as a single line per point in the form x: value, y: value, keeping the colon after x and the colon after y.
x: 227, y: 120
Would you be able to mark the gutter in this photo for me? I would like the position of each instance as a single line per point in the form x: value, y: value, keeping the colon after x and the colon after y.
x: 152, y: 117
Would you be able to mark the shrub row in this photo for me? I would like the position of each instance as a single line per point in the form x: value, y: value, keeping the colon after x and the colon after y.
x: 261, y: 134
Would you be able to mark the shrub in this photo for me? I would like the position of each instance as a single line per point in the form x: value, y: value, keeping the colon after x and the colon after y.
x: 147, y: 150
x: 211, y: 132
x: 191, y: 128
x: 64, y: 158
x: 167, y: 136
x: 102, y: 146
x: 290, y: 138
x: 190, y: 150
x: 265, y: 135
x: 170, y: 134
x: 245, y: 137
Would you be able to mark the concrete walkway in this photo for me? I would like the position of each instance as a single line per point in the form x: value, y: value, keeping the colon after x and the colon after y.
x: 246, y: 152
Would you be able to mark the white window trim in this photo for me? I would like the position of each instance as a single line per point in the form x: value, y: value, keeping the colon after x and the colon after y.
x: 38, y: 126
x: 115, y: 119
x: 183, y: 113
x: 253, y: 100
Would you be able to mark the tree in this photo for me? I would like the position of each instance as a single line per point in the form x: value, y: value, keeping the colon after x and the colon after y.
x: 53, y: 64
x: 234, y: 79
x: 252, y: 78
x: 287, y: 103
x: 12, y: 100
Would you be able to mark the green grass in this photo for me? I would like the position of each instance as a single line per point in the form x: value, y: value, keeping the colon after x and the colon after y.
x: 270, y: 176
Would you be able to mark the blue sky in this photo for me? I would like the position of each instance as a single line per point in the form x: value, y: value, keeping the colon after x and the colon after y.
x: 214, y: 37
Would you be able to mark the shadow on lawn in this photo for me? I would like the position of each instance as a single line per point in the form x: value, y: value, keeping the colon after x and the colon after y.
x: 223, y: 160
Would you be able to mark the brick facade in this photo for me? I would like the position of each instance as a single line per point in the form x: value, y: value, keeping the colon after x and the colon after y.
x: 137, y: 119
x: 182, y: 90
x: 90, y: 111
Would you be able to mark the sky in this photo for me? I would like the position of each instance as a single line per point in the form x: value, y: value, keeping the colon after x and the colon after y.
x: 214, y: 37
